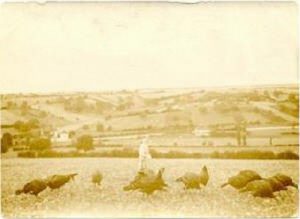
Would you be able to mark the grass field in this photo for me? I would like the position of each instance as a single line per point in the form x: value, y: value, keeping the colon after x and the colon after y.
x: 81, y: 198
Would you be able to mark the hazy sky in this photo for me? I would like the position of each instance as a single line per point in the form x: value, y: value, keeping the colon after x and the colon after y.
x: 76, y: 47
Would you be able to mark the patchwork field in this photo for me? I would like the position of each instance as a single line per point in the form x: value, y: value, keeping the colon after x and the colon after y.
x: 81, y: 198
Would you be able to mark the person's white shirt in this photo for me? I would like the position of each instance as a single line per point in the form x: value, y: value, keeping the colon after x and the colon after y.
x: 144, y: 154
x: 144, y: 149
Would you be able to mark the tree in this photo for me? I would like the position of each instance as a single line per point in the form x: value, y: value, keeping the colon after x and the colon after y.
x: 6, y: 142
x: 10, y: 104
x: 292, y: 97
x: 33, y: 123
x: 85, y: 142
x: 27, y: 126
x: 21, y: 126
x: 40, y: 144
x: 72, y: 134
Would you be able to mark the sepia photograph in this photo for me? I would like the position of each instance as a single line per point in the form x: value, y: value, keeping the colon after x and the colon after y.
x: 149, y: 109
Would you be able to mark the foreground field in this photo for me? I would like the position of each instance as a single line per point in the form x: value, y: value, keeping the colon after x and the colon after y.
x: 81, y: 198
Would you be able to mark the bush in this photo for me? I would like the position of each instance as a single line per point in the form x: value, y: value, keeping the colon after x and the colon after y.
x: 288, y: 155
x: 4, y: 148
x: 85, y: 142
x: 27, y: 126
x: 252, y: 154
x: 33, y: 123
x: 27, y: 154
x: 49, y: 153
x: 21, y: 126
x: 72, y: 134
x: 6, y: 142
x: 40, y: 144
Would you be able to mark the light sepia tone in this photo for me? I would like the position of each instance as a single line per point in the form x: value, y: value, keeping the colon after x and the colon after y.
x: 144, y: 109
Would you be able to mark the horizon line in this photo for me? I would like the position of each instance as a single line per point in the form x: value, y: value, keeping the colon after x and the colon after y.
x: 116, y: 90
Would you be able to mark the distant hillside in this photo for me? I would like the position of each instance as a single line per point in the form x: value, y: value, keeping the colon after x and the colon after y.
x: 157, y: 108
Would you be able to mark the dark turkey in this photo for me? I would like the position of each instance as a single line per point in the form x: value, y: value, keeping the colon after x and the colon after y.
x: 57, y: 181
x: 259, y: 188
x: 154, y: 183
x: 34, y: 187
x: 194, y: 180
x: 138, y: 179
x: 285, y: 180
x: 276, y: 184
x: 242, y: 179
x: 147, y: 182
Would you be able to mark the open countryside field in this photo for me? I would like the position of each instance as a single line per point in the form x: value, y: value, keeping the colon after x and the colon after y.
x: 82, y: 199
x: 180, y: 123
x: 149, y: 110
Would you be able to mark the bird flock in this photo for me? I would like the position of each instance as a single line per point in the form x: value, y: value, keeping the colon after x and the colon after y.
x: 149, y: 181
x: 36, y: 186
x: 250, y: 181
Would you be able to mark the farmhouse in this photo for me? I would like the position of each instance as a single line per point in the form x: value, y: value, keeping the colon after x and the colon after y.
x: 60, y: 137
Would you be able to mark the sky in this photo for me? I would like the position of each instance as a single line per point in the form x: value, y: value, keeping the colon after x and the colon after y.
x: 58, y: 47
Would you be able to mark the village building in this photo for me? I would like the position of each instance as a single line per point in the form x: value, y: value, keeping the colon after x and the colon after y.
x: 60, y: 138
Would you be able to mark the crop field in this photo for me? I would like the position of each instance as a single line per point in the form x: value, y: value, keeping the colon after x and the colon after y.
x: 81, y: 198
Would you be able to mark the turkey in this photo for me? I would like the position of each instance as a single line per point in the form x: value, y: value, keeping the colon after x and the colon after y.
x: 97, y: 178
x: 259, y: 188
x: 242, y: 178
x: 34, y: 187
x: 147, y: 182
x: 285, y: 180
x: 138, y: 179
x: 276, y: 184
x: 154, y: 183
x: 194, y: 180
x: 57, y: 181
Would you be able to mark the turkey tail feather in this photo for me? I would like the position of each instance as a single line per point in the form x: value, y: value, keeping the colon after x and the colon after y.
x: 73, y: 175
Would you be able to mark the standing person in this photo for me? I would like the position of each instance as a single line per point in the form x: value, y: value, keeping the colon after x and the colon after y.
x: 244, y: 133
x: 271, y: 141
x: 144, y: 155
x: 238, y: 134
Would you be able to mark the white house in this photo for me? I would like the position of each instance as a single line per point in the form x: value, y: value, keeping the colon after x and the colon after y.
x: 60, y: 137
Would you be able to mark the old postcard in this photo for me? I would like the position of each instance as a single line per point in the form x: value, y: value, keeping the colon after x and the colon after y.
x: 149, y: 109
